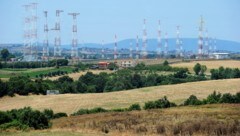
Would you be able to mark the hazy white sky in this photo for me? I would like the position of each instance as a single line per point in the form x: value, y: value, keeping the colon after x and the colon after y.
x: 102, y: 19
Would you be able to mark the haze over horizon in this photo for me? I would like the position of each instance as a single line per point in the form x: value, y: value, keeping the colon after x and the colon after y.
x: 101, y: 20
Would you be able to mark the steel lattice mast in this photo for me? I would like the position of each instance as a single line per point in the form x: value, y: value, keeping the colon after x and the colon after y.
x: 159, y: 46
x: 215, y: 44
x: 137, y: 48
x: 26, y: 34
x: 166, y: 45
x: 45, y: 54
x: 115, y: 50
x: 206, y: 49
x: 34, y: 34
x: 200, y: 40
x: 103, y: 56
x: 178, y: 43
x: 130, y: 51
x: 144, y: 41
x: 30, y: 32
x: 74, y: 50
x: 57, y: 40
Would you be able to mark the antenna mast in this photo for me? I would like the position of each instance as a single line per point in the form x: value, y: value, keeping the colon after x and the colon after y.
x: 159, y: 40
x: 46, y: 42
x: 144, y: 47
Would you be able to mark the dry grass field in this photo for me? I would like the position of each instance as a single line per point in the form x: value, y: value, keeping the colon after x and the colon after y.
x: 211, y: 64
x: 200, y: 120
x: 76, y: 76
x: 70, y: 103
x: 217, y: 119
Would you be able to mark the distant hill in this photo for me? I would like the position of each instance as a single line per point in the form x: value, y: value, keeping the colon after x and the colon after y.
x: 189, y: 44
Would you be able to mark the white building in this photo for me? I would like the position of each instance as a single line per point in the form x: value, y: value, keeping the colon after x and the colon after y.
x: 220, y: 55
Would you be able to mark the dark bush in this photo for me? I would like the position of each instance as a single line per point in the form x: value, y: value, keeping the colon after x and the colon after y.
x: 59, y: 115
x: 48, y: 113
x: 4, y: 117
x: 134, y: 107
x: 161, y: 103
x: 192, y: 100
x: 227, y: 98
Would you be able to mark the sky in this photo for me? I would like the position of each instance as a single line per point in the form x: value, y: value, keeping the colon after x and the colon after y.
x: 102, y: 19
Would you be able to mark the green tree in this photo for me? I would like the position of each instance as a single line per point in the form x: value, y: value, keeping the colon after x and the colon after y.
x: 112, y: 66
x: 203, y: 70
x: 165, y: 63
x: 4, y: 54
x: 197, y: 68
x: 192, y: 100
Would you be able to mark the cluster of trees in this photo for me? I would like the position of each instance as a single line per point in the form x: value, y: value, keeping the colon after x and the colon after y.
x: 225, y: 73
x: 27, y: 118
x: 52, y: 63
x: 214, y: 98
x: 159, y: 104
x: 200, y: 69
x: 97, y: 83
x: 52, y: 74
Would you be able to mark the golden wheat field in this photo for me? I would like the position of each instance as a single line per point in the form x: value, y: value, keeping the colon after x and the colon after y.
x: 70, y: 103
x: 211, y: 64
x: 222, y: 119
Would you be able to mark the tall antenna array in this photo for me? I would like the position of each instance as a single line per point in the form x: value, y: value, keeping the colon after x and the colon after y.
x: 206, y: 48
x: 178, y: 43
x: 215, y: 44
x: 74, y: 50
x: 137, y: 48
x: 57, y: 29
x: 144, y: 41
x: 30, y: 32
x: 130, y: 51
x: 45, y: 54
x: 181, y: 48
x: 210, y: 46
x: 115, y: 50
x: 166, y: 45
x: 159, y: 40
x: 103, y: 49
x: 200, y: 41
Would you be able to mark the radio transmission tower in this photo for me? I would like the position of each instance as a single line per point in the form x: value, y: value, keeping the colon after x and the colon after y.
x: 215, y: 44
x: 103, y: 49
x: 30, y: 32
x: 206, y: 49
x: 178, y: 43
x: 144, y: 41
x: 159, y: 51
x: 130, y: 51
x: 57, y: 29
x: 200, y: 41
x: 115, y: 50
x: 74, y: 50
x: 166, y: 45
x: 137, y: 48
x: 46, y: 42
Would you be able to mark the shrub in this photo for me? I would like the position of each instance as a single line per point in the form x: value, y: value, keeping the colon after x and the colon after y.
x: 34, y: 119
x: 149, y: 105
x: 134, y: 107
x: 192, y: 100
x: 48, y: 113
x: 89, y: 111
x: 4, y: 117
x: 59, y: 115
x: 14, y: 125
x: 161, y: 103
x: 227, y: 98
x: 213, y: 98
